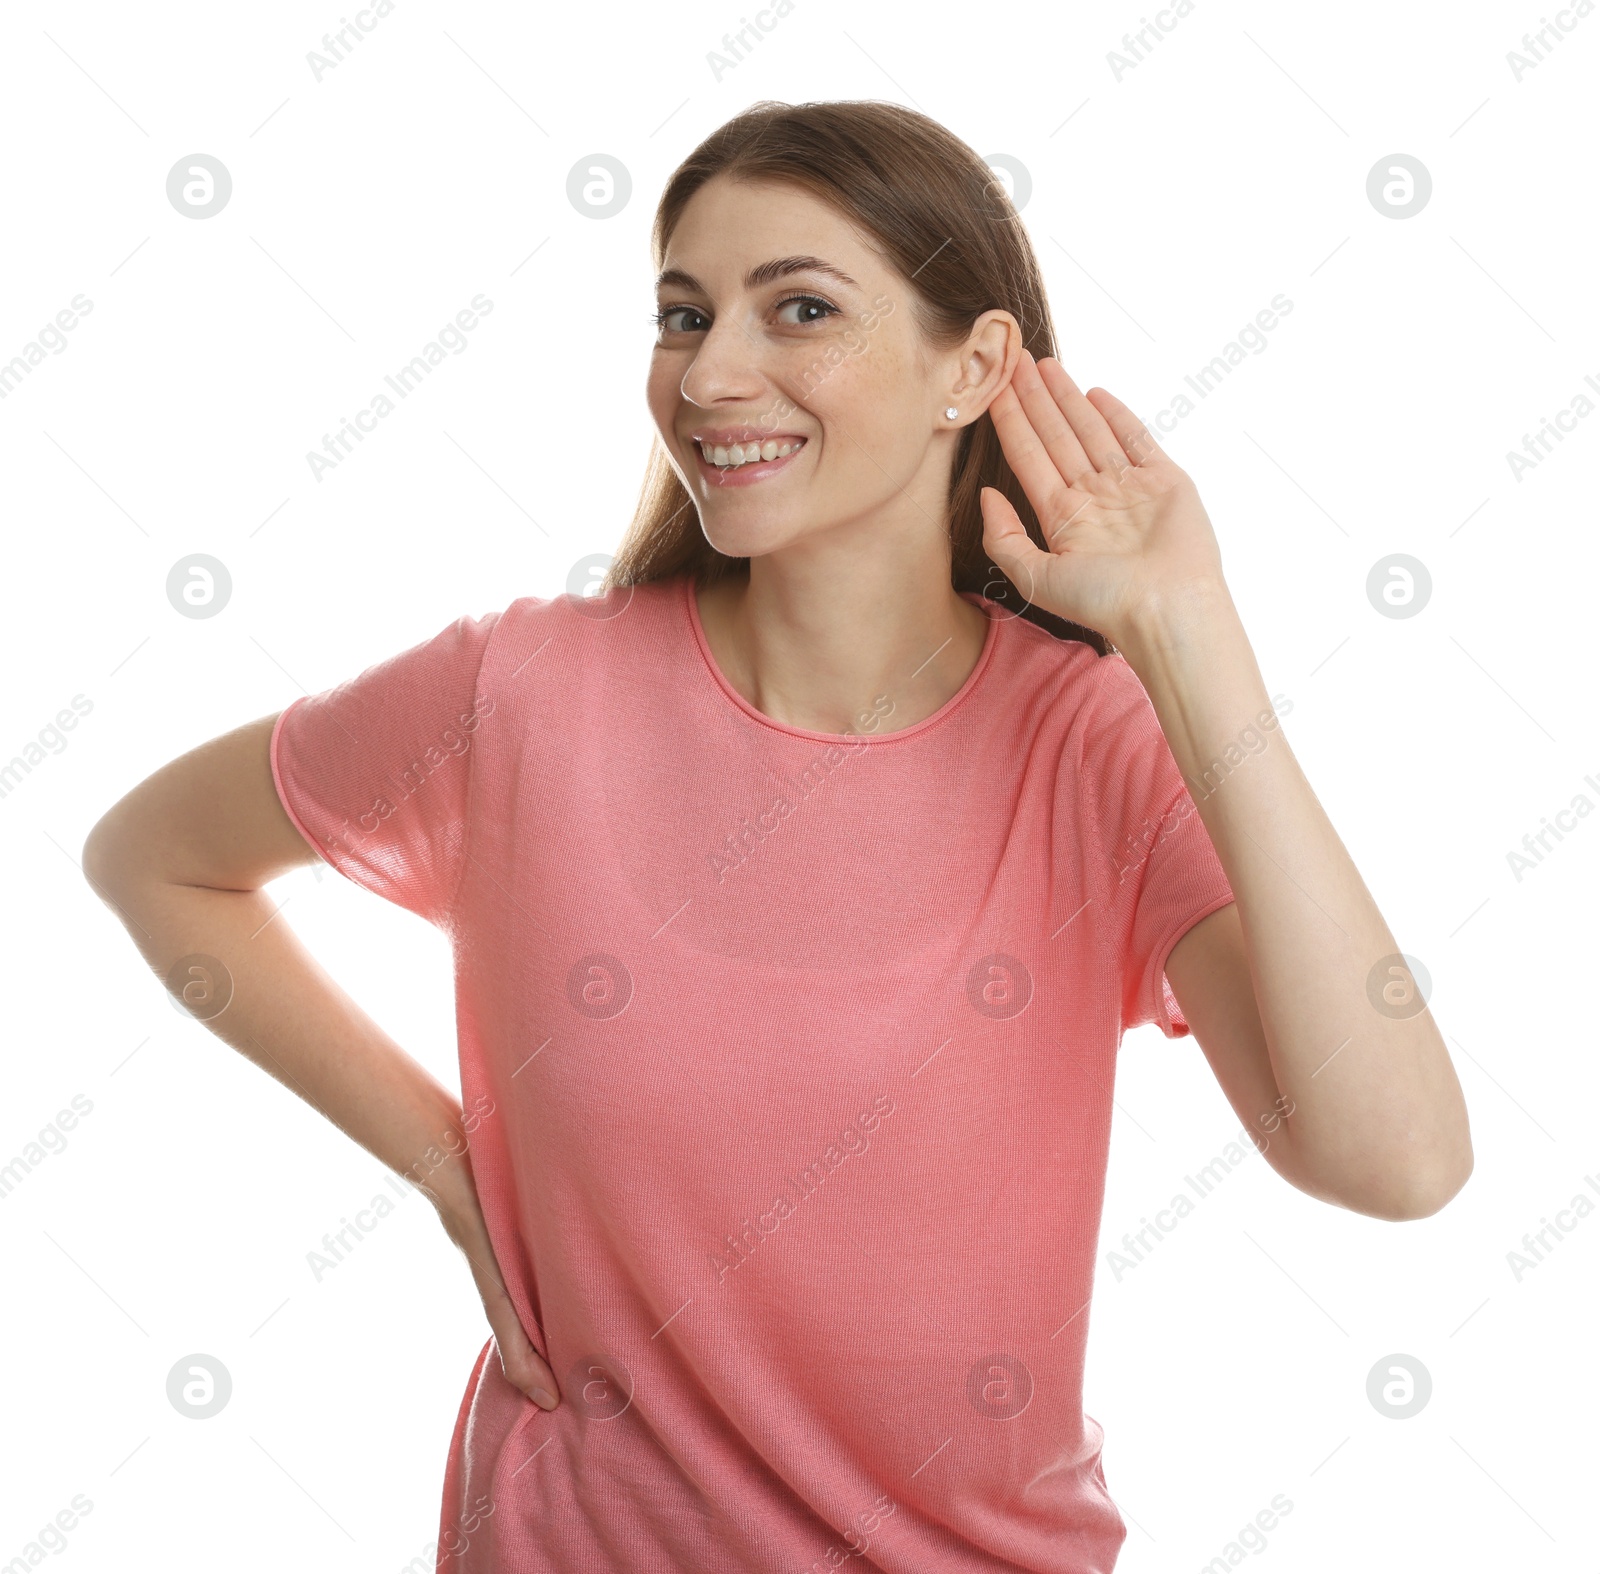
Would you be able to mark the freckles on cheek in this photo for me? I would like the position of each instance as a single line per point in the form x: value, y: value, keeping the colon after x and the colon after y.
x: 865, y: 392
x: 886, y: 363
x: 881, y: 374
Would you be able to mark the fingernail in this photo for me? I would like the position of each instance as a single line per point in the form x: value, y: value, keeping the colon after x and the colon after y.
x: 541, y: 1397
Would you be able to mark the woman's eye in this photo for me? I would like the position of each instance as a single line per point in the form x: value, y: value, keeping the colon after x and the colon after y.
x: 805, y: 305
x: 665, y: 319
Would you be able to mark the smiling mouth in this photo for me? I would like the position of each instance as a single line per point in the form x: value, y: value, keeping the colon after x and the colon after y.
x: 733, y: 456
x: 738, y: 464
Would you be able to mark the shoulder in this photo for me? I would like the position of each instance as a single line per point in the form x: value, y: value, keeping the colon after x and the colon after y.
x: 627, y: 610
x: 1081, y: 690
x: 620, y: 626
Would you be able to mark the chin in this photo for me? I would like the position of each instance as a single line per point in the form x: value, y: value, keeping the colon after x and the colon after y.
x: 750, y: 540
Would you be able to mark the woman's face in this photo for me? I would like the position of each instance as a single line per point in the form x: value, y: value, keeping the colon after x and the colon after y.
x: 784, y: 327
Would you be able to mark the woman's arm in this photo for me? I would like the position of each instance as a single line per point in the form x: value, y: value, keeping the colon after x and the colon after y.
x: 1299, y: 988
x: 183, y: 860
x: 1297, y: 992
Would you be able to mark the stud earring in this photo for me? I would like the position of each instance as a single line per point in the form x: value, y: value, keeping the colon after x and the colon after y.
x: 950, y: 412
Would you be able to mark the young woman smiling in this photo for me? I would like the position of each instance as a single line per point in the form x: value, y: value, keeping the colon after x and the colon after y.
x: 785, y: 1211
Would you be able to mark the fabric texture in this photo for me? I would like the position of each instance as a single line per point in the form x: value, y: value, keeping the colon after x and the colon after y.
x: 797, y: 1051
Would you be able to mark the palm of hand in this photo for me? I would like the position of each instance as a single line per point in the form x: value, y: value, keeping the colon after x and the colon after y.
x: 1125, y: 525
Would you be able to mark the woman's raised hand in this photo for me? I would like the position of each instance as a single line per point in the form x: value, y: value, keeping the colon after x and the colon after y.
x: 1129, y: 538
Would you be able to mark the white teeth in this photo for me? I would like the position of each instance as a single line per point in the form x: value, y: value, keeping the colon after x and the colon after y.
x: 747, y: 453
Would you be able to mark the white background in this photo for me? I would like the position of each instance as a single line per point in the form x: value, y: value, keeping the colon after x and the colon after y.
x: 1167, y: 209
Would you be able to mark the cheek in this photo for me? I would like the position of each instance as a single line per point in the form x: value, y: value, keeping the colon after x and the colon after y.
x: 661, y: 386
x: 863, y: 394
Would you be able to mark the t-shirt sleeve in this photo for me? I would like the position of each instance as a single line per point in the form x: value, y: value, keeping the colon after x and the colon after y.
x: 375, y: 771
x: 1164, y: 873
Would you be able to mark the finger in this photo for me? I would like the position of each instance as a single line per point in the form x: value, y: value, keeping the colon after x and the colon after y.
x: 520, y: 1361
x: 1042, y: 481
x: 1136, y: 439
x: 1099, y: 441
x: 1047, y: 419
x: 1011, y: 549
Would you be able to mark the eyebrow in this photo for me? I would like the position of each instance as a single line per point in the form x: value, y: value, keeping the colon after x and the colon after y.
x: 762, y: 273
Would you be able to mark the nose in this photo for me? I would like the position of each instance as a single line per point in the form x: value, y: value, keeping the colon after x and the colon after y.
x: 726, y: 367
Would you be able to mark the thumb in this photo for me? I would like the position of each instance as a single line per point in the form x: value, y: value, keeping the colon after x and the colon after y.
x: 1011, y: 549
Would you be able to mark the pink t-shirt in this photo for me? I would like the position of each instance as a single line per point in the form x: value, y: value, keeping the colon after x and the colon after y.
x: 789, y: 1057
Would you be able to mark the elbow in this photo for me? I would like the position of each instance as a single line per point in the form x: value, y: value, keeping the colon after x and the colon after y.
x: 104, y: 853
x: 1423, y: 1193
x: 1437, y: 1180
x: 1429, y: 1199
x: 1392, y: 1203
x: 1397, y: 1193
x: 96, y: 856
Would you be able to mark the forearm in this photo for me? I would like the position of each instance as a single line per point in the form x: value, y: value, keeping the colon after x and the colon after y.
x: 1378, y: 1115
x: 294, y: 1021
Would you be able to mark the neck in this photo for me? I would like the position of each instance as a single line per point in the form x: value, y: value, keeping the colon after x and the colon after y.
x: 860, y: 651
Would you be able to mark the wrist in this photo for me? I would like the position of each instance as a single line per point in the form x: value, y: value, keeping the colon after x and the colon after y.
x: 463, y: 1222
x: 1190, y: 616
x: 450, y: 1188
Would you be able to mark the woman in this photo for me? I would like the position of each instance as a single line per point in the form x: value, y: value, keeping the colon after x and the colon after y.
x: 801, y: 885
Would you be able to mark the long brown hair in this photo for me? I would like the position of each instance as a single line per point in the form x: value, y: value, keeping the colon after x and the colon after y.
x: 953, y: 234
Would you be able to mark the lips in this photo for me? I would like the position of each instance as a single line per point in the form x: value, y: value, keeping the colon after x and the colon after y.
x: 749, y: 471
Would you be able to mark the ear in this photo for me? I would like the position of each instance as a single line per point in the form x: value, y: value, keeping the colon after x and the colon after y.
x: 986, y: 361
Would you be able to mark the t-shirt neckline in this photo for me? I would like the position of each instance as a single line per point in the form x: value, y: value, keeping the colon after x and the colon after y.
x: 985, y: 660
